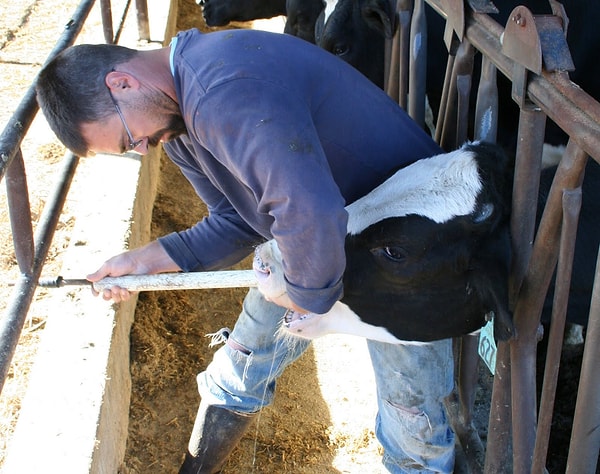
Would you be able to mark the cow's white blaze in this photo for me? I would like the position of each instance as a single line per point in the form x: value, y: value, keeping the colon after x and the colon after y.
x: 329, y: 8
x: 439, y: 188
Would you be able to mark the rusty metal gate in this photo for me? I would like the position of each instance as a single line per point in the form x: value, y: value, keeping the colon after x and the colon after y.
x: 531, y: 52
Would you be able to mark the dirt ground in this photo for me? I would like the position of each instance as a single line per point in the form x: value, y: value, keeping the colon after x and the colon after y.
x: 323, y: 416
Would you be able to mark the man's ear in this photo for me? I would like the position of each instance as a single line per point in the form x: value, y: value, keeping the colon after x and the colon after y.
x: 119, y: 80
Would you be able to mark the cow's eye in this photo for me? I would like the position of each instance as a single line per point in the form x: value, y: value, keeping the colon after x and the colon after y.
x: 340, y: 49
x: 396, y: 254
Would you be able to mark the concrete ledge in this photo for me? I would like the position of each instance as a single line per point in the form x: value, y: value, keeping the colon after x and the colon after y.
x: 74, y: 417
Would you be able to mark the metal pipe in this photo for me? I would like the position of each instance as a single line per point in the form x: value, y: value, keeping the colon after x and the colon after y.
x: 499, y: 440
x: 571, y: 205
x: 162, y: 281
x: 585, y: 436
x: 20, y: 213
x: 529, y: 307
x: 404, y: 22
x: 486, y: 108
x: 464, y: 78
x: 107, y: 21
x: 418, y: 60
x: 142, y: 20
x: 523, y: 348
x: 16, y: 311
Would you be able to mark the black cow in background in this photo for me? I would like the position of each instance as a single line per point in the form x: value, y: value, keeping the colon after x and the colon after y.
x: 301, y: 14
x: 301, y: 18
x: 355, y: 31
x: 223, y: 12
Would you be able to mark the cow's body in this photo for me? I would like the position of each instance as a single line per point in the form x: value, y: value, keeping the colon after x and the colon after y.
x: 301, y: 14
x: 427, y: 254
x: 222, y: 12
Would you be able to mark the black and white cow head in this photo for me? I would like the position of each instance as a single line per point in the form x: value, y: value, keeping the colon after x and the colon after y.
x: 427, y: 254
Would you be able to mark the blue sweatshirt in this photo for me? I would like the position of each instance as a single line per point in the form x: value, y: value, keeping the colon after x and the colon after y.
x: 281, y: 136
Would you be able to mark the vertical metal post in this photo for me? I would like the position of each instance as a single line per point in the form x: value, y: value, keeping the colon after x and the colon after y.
x: 107, y: 21
x: 142, y: 18
x: 499, y: 440
x: 404, y: 21
x: 571, y: 204
x: 486, y: 109
x: 529, y: 305
x: 585, y: 437
x: 464, y: 79
x: 418, y: 60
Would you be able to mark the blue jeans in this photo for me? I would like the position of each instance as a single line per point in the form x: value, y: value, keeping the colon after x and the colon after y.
x: 412, y: 382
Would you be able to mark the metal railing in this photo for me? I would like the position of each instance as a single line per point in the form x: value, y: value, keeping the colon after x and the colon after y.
x: 31, y: 250
x: 540, y: 94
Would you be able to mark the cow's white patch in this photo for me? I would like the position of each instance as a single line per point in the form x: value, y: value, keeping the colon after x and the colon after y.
x: 439, y: 188
x: 329, y: 8
x: 340, y: 319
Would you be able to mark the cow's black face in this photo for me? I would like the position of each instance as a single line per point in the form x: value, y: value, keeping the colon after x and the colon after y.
x: 301, y: 18
x: 355, y: 32
x: 401, y: 270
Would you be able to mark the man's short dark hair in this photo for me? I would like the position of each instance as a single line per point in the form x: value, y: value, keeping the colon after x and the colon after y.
x: 71, y: 90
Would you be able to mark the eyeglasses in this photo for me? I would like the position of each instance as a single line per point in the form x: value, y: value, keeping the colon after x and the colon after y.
x: 133, y: 144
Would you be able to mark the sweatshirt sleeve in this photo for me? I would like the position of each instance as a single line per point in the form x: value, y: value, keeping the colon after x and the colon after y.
x: 220, y: 239
x: 265, y: 135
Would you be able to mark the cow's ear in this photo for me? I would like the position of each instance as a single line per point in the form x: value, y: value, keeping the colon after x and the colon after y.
x: 379, y: 16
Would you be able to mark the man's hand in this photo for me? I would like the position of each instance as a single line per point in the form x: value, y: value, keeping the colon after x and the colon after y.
x: 146, y: 260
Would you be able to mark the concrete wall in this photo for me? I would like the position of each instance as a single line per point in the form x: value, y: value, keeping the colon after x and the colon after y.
x: 74, y: 417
